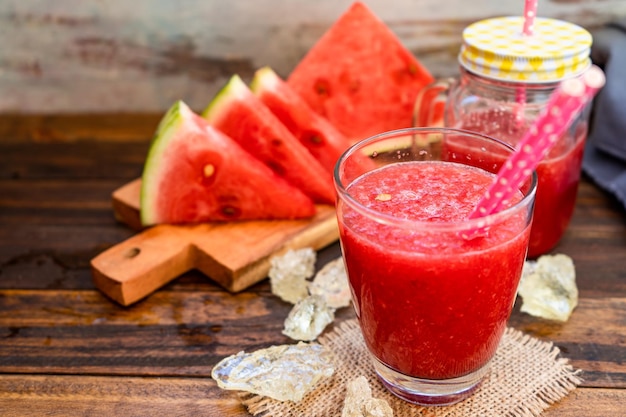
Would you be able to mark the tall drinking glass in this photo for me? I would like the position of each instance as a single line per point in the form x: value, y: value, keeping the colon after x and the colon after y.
x: 432, y: 303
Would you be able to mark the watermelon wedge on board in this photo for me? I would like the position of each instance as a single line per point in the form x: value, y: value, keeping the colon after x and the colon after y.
x: 360, y: 76
x: 316, y: 133
x: 195, y: 173
x: 237, y: 112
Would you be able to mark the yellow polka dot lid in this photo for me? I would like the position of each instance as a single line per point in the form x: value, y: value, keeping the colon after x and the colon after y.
x: 497, y: 49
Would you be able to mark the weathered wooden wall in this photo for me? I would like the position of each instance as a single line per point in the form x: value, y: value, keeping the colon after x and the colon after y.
x: 75, y: 56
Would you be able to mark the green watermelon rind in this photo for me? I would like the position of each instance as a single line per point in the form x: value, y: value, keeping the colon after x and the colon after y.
x: 264, y: 78
x: 232, y: 91
x: 168, y: 126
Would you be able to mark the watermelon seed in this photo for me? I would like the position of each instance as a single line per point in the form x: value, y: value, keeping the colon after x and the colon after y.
x: 209, y: 170
x: 322, y: 88
x: 132, y: 252
x: 276, y: 166
x: 230, y: 211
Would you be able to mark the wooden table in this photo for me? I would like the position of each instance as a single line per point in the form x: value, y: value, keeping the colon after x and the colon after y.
x: 67, y: 350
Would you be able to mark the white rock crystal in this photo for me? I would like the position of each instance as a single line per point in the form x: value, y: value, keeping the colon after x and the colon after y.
x: 331, y: 283
x: 359, y: 401
x: 289, y: 273
x: 285, y: 372
x: 308, y: 318
x: 548, y: 287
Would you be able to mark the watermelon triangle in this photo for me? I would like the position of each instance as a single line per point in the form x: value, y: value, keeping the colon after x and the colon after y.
x: 195, y: 173
x: 316, y: 133
x: 360, y: 76
x: 237, y: 112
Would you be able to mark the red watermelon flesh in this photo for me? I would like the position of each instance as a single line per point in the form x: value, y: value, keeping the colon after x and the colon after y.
x: 237, y: 112
x: 194, y: 173
x: 360, y: 76
x: 316, y: 133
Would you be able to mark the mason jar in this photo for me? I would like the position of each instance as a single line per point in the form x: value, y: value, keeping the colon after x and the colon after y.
x: 505, y: 81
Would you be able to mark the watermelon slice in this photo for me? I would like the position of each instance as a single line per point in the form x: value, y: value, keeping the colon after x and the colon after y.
x: 316, y: 133
x: 360, y: 76
x: 194, y: 173
x: 238, y: 113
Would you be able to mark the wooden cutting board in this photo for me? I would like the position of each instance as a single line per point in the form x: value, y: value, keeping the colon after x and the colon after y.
x: 234, y: 254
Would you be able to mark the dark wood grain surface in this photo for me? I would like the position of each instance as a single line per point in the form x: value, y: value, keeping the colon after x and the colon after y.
x: 67, y: 350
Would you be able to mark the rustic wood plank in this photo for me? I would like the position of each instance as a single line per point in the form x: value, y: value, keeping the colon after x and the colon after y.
x: 24, y: 396
x: 129, y: 127
x: 170, y: 333
x: 99, y: 159
x: 55, y: 196
x: 593, y: 338
x: 60, y: 242
x: 590, y: 403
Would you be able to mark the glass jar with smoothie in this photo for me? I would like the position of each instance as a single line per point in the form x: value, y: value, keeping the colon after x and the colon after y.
x: 506, y: 79
x: 432, y: 303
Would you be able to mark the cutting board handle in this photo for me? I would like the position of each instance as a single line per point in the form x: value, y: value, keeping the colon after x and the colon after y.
x: 143, y: 263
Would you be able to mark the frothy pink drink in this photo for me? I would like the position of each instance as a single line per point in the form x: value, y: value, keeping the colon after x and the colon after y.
x: 432, y: 304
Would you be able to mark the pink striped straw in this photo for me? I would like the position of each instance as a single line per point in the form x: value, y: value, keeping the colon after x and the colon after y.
x: 565, y: 103
x: 530, y: 12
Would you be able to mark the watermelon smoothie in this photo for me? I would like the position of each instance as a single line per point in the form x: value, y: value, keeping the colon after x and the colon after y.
x: 558, y: 173
x: 432, y: 305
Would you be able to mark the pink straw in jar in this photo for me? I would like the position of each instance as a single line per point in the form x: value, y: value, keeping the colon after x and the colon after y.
x: 565, y: 103
x: 530, y: 12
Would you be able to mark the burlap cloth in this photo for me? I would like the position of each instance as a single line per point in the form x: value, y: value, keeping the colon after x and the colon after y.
x: 527, y: 376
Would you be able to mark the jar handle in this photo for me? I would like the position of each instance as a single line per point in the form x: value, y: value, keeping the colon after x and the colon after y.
x: 430, y: 103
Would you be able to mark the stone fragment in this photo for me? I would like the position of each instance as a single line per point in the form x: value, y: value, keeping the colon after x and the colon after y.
x: 359, y: 401
x: 308, y: 318
x: 548, y: 287
x: 331, y: 283
x: 289, y: 273
x: 284, y: 372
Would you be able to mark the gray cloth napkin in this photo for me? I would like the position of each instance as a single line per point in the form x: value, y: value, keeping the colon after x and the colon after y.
x: 605, y: 154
